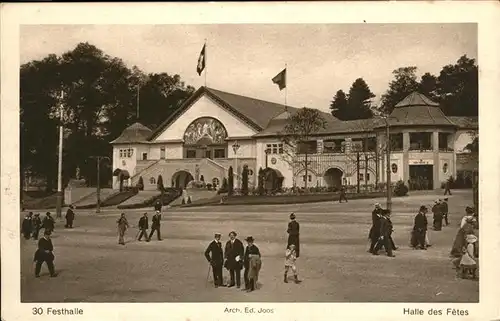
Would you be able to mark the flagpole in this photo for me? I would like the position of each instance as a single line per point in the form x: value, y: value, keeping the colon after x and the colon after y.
x: 286, y: 85
x: 206, y: 64
x: 138, y: 97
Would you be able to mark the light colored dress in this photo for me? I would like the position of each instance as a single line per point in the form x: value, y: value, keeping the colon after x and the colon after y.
x: 468, y: 260
x: 290, y: 258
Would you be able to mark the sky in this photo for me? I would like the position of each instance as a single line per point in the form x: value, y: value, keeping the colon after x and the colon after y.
x: 243, y: 58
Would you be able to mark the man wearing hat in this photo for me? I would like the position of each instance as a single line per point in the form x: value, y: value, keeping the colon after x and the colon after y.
x: 252, y: 263
x: 437, y: 216
x: 48, y: 223
x: 155, y: 225
x: 36, y: 224
x: 234, y: 253
x: 385, y: 235
x: 419, y: 229
x: 70, y: 217
x: 444, y: 209
x: 374, y: 233
x: 215, y: 257
x: 293, y: 234
x: 44, y: 254
x: 143, y: 227
x: 26, y: 225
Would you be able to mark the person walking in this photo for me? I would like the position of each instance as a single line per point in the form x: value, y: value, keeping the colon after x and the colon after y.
x: 234, y: 253
x: 215, y: 257
x: 70, y: 217
x: 44, y: 253
x: 342, y: 195
x: 143, y: 227
x: 290, y: 259
x: 437, y: 216
x: 48, y: 223
x: 36, y: 225
x: 26, y: 225
x: 385, y: 234
x: 419, y: 229
x: 374, y: 233
x: 447, y: 186
x: 252, y: 264
x: 293, y: 231
x: 122, y: 227
x: 445, y: 210
x: 156, y: 226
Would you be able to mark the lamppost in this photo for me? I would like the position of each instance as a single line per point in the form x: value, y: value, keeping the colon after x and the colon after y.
x: 59, y: 195
x: 388, y: 162
x: 99, y: 158
x: 236, y: 146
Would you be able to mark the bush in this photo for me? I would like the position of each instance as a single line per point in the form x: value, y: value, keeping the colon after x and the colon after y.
x: 230, y: 181
x: 159, y: 183
x: 400, y: 189
x: 244, y: 180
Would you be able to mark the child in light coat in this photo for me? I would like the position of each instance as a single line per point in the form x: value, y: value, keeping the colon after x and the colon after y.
x: 469, y: 261
x: 290, y: 258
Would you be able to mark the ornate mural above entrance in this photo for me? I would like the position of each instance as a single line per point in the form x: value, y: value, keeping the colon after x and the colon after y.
x: 205, y: 131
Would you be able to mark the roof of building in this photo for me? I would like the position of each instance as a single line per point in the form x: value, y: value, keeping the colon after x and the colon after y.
x: 269, y: 118
x: 134, y: 133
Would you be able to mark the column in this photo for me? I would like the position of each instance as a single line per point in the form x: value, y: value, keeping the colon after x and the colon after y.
x: 435, y: 167
x: 406, y: 157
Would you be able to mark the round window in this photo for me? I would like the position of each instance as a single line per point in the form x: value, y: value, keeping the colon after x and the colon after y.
x: 250, y: 172
x: 445, y: 168
x: 394, y: 168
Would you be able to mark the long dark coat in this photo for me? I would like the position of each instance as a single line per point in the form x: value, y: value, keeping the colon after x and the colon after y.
x: 217, y: 255
x: 143, y: 223
x: 294, y: 235
x: 231, y: 251
x: 156, y: 221
x: 375, y: 229
x: 48, y: 223
x: 70, y: 215
x: 26, y: 226
x: 459, y: 242
x: 41, y: 253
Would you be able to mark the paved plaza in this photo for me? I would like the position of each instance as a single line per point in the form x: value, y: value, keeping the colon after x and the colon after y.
x: 334, y: 264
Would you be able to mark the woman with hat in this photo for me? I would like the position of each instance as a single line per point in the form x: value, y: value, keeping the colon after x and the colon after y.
x: 293, y: 234
x: 466, y: 228
x: 234, y: 253
x: 252, y: 264
x: 437, y: 221
x: 468, y: 261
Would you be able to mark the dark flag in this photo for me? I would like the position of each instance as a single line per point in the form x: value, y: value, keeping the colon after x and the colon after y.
x: 201, y: 61
x: 280, y: 79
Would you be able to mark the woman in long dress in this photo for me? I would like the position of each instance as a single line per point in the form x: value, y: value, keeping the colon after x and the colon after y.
x: 466, y: 228
x: 468, y: 262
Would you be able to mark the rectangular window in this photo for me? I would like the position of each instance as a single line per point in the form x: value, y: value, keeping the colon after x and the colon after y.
x: 309, y: 147
x: 396, y: 142
x: 421, y: 141
x: 368, y: 177
x: 219, y: 153
x: 310, y: 178
x: 274, y: 148
x: 162, y: 153
x: 121, y: 153
x: 130, y: 152
x: 144, y: 156
x: 361, y: 176
x: 190, y: 153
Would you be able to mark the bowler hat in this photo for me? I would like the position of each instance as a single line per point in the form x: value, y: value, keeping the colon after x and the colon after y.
x: 249, y: 239
x: 233, y: 232
x: 292, y: 216
x: 218, y: 234
x: 423, y: 208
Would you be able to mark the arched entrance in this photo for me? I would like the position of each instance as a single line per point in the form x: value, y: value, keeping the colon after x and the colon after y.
x: 333, y: 177
x: 122, y: 177
x: 180, y: 179
x: 273, y: 179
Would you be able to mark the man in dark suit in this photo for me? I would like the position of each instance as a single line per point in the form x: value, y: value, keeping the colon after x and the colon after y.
x: 293, y: 234
x: 419, y: 229
x: 48, y: 223
x: 234, y: 255
x: 215, y: 256
x: 36, y: 224
x: 70, y: 217
x: 251, y: 251
x: 342, y: 195
x: 44, y: 254
x: 374, y: 233
x: 385, y: 235
x: 437, y: 216
x: 26, y: 225
x: 445, y: 210
x: 155, y: 226
x: 143, y: 227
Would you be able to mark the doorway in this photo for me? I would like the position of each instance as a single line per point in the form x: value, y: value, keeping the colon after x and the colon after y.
x: 421, y: 177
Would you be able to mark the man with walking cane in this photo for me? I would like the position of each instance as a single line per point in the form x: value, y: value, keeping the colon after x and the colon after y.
x: 215, y: 257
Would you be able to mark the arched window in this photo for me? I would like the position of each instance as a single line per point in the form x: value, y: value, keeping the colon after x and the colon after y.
x: 152, y: 181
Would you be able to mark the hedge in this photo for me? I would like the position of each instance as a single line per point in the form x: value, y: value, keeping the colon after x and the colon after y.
x: 168, y: 197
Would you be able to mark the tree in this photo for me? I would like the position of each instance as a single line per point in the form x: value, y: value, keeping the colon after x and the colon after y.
x: 140, y: 184
x: 244, y: 180
x: 299, y: 130
x: 339, y: 105
x: 359, y: 101
x: 404, y: 83
x: 159, y: 183
x: 428, y: 86
x: 473, y: 147
x: 458, y: 88
x: 230, y: 181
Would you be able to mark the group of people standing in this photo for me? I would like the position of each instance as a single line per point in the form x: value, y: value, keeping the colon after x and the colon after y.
x: 32, y: 224
x: 234, y: 257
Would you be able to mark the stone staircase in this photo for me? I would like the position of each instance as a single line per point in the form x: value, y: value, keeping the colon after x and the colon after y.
x: 195, y: 194
x: 92, y: 198
x: 140, y: 197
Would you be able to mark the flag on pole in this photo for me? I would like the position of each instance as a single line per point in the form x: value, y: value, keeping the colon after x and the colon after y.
x: 201, y: 61
x: 280, y: 79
